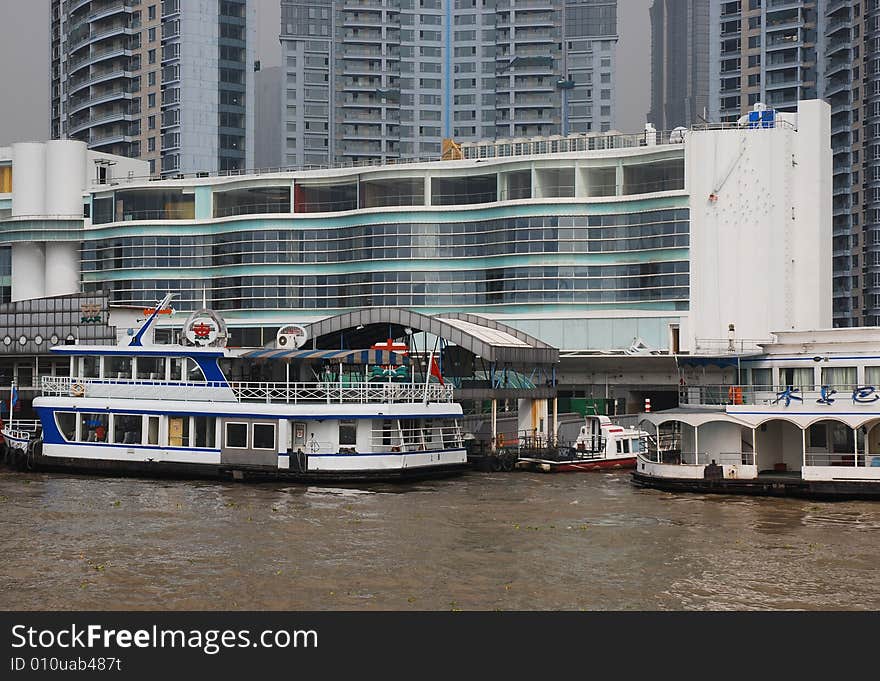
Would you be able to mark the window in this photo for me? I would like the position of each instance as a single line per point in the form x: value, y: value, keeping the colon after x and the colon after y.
x: 801, y: 378
x: 762, y: 378
x: 844, y: 377
x: 151, y: 36
x: 151, y: 122
x: 151, y: 78
x: 236, y: 435
x: 151, y: 56
x: 151, y: 368
x: 127, y: 429
x: 90, y: 367
x: 93, y: 427
x: 66, y: 422
x: 151, y: 100
x: 203, y: 431
x: 117, y: 367
x: 347, y: 432
x: 151, y: 12
x: 264, y: 436
x: 152, y: 430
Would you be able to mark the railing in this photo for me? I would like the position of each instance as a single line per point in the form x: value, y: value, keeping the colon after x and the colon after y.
x: 329, y: 392
x: 700, y: 458
x: 842, y: 459
x: 785, y: 395
x: 501, y: 149
x: 22, y: 427
x: 332, y: 392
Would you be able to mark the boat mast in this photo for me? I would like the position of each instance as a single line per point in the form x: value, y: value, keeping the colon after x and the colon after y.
x: 161, y: 305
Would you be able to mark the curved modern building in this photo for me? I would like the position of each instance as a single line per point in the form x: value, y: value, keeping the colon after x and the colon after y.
x: 591, y: 243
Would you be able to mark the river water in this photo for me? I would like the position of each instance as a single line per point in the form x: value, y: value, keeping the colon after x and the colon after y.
x: 506, y: 541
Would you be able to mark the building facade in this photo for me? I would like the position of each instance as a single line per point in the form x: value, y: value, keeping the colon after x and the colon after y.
x: 679, y: 63
x: 168, y: 82
x: 588, y: 242
x: 390, y: 79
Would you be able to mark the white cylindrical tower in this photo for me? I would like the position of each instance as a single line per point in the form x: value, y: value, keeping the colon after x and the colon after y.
x: 62, y: 268
x: 29, y: 183
x: 65, y: 177
x: 28, y: 267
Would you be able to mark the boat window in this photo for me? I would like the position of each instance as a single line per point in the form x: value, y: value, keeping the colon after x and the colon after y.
x: 127, y: 429
x: 623, y: 446
x: 264, y: 435
x: 203, y: 428
x: 843, y: 377
x: 178, y: 431
x: 762, y: 378
x: 151, y: 368
x: 872, y: 376
x: 116, y: 367
x: 91, y: 367
x: 93, y: 427
x: 347, y: 432
x: 236, y: 435
x: 152, y: 430
x: 186, y: 369
x: 801, y: 378
x: 66, y: 422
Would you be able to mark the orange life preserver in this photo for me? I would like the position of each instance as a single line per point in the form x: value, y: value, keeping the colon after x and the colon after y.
x: 735, y: 394
x: 499, y: 439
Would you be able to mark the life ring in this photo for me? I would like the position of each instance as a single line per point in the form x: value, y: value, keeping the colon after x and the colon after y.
x: 77, y: 390
x: 500, y: 439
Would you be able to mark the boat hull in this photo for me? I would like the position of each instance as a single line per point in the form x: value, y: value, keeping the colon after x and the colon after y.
x: 576, y: 466
x: 171, y: 469
x: 827, y: 490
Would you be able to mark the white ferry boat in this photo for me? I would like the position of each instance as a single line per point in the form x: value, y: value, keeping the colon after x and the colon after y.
x: 601, y: 444
x: 169, y: 410
x: 802, y: 420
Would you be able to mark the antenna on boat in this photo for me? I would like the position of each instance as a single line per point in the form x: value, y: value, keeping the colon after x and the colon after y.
x: 161, y: 305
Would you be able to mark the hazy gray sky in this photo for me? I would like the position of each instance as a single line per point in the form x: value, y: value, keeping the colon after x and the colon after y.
x: 24, y: 54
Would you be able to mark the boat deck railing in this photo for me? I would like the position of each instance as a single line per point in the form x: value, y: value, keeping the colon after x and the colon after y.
x: 700, y: 458
x: 333, y: 392
x: 22, y: 428
x: 845, y: 459
x: 328, y: 392
x: 764, y: 395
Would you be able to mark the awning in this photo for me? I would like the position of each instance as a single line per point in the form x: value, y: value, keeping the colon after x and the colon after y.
x: 334, y: 356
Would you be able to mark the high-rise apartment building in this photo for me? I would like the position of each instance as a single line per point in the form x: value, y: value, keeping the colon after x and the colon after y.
x: 778, y: 52
x: 170, y: 82
x: 387, y: 79
x: 764, y: 51
x: 679, y: 63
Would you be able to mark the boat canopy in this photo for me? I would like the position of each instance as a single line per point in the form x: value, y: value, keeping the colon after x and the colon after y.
x: 336, y: 356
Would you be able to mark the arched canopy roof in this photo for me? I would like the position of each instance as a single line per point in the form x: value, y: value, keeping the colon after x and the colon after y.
x: 487, y: 338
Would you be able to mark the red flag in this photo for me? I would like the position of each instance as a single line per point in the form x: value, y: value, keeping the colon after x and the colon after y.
x: 435, y: 371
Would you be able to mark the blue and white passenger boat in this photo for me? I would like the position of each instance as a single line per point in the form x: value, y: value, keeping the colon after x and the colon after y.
x: 169, y: 410
x: 800, y: 418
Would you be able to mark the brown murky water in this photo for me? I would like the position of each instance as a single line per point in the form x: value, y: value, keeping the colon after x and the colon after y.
x: 509, y: 541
